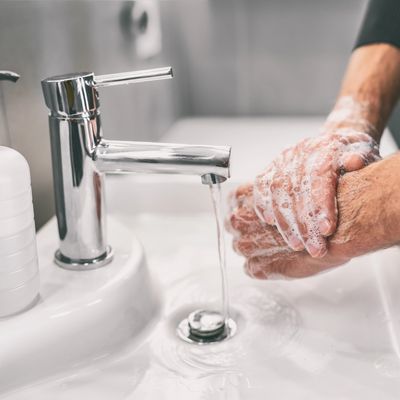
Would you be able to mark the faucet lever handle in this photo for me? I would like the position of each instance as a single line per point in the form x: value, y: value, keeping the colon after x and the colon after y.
x: 124, y: 78
x: 75, y: 94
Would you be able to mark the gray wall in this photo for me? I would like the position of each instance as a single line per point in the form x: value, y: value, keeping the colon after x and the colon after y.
x: 231, y: 57
x: 260, y: 57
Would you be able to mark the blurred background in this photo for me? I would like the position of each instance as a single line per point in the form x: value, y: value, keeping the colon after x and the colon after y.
x: 230, y: 57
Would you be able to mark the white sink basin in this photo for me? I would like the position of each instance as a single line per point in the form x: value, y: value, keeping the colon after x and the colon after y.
x: 110, y: 333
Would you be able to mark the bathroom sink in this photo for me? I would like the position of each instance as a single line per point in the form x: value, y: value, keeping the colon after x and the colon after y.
x: 110, y: 333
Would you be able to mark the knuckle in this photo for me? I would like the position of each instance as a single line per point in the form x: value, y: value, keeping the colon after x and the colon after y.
x: 256, y: 268
x: 228, y: 225
x: 235, y: 246
x: 234, y: 222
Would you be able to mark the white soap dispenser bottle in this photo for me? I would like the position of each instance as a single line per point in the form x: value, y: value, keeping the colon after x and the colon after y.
x: 19, y: 275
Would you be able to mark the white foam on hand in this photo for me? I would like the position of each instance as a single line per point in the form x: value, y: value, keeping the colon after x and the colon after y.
x: 297, y: 191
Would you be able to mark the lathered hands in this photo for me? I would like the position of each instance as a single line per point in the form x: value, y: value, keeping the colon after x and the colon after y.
x: 297, y: 192
x: 267, y: 254
x: 368, y: 220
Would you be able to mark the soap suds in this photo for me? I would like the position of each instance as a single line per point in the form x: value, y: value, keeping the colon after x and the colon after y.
x: 297, y: 191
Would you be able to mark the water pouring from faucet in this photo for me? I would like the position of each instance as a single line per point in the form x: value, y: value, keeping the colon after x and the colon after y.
x: 209, y: 326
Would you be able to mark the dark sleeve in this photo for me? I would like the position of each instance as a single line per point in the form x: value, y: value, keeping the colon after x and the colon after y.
x: 381, y: 23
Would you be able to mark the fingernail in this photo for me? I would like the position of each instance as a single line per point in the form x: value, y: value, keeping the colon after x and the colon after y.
x: 295, y: 243
x: 255, y: 271
x: 269, y: 218
x: 316, y: 251
x: 325, y: 226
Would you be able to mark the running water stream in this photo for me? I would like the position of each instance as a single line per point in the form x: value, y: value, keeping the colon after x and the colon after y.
x: 207, y: 326
x: 215, y: 190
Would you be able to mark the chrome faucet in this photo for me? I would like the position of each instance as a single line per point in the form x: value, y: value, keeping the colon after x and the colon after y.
x: 81, y: 157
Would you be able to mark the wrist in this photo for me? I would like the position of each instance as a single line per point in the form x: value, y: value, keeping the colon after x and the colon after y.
x: 351, y: 114
x: 372, y: 80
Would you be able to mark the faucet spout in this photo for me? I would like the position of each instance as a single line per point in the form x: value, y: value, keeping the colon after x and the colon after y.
x: 114, y: 156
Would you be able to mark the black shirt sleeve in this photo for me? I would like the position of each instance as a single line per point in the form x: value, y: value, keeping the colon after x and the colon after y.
x: 381, y: 23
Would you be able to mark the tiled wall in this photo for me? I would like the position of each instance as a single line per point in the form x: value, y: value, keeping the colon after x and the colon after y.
x: 231, y: 57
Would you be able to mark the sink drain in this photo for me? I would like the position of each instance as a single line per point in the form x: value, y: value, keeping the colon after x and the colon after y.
x: 205, y: 326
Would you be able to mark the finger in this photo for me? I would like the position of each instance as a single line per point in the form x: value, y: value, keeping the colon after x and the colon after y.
x: 372, y: 157
x: 244, y: 190
x: 262, y: 206
x: 232, y: 202
x: 283, y: 266
x: 238, y: 196
x: 266, y: 267
x: 268, y: 243
x: 361, y: 150
x: 316, y: 244
x: 228, y: 226
x: 262, y: 196
x: 353, y: 162
x: 323, y: 200
x: 308, y: 210
x: 283, y: 209
x: 254, y: 271
x: 246, y: 248
x: 239, y: 201
x: 244, y: 221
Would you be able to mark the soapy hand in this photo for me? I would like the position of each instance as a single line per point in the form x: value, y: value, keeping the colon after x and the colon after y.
x: 297, y: 191
x: 267, y: 254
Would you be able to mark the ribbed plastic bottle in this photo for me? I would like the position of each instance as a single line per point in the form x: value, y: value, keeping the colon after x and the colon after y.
x: 19, y: 273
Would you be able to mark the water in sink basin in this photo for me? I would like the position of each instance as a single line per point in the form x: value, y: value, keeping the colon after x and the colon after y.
x: 262, y: 318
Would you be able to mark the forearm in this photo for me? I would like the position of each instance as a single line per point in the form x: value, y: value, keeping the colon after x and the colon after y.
x: 369, y: 91
x: 369, y: 209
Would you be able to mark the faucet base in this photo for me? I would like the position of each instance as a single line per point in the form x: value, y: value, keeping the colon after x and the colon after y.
x: 83, y: 264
